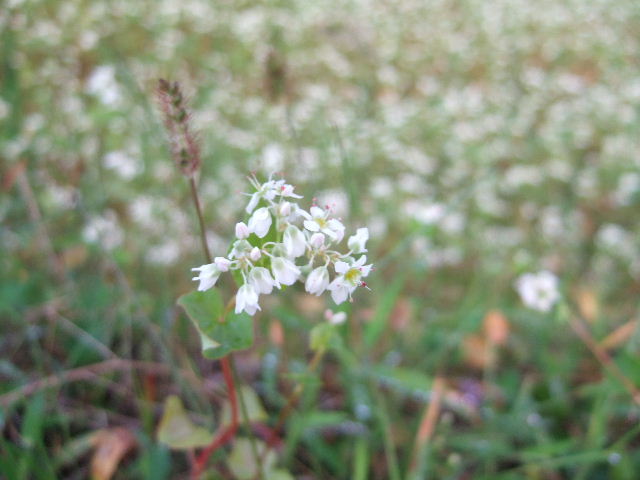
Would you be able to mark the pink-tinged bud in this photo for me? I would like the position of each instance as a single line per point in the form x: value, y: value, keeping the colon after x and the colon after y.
x: 242, y: 231
x: 316, y: 240
x: 222, y: 263
x: 255, y: 254
x: 284, y: 210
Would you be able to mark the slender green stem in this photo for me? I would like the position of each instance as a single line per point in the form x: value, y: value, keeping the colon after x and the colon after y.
x: 203, y: 234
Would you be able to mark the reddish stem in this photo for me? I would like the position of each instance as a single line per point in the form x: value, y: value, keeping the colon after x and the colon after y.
x: 228, y: 432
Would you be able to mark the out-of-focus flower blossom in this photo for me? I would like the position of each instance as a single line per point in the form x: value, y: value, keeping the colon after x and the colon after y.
x: 539, y: 291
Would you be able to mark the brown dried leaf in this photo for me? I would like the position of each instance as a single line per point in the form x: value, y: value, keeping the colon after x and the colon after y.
x: 588, y: 304
x: 620, y: 335
x: 111, y: 445
x: 476, y: 353
x: 74, y: 256
x: 276, y: 333
x: 11, y: 175
x: 496, y: 327
x: 401, y: 314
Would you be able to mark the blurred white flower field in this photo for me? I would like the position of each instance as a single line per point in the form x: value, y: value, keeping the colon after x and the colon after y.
x: 484, y: 156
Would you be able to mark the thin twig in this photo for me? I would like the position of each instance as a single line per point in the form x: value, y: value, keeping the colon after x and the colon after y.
x: 603, y: 357
x: 86, y: 372
x: 427, y: 427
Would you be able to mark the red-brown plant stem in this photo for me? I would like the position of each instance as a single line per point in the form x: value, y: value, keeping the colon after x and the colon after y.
x: 227, y: 433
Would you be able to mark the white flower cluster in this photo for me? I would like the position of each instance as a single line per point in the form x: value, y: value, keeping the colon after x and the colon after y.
x: 277, y: 234
x: 538, y: 291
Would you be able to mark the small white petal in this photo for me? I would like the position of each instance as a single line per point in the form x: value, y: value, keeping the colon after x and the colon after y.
x: 311, y: 226
x: 253, y: 203
x: 341, y: 267
x: 316, y: 212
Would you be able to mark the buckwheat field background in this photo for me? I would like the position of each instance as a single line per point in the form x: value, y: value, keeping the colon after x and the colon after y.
x: 491, y: 150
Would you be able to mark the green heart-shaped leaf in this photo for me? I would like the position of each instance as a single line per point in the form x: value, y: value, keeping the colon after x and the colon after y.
x: 177, y: 431
x: 219, y: 335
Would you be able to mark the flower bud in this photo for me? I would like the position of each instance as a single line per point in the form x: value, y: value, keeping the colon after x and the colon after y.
x: 284, y: 271
x: 294, y: 242
x: 260, y: 222
x: 317, y: 281
x: 222, y: 263
x: 316, y: 240
x: 242, y: 231
x: 261, y: 280
x: 255, y: 254
x: 284, y: 209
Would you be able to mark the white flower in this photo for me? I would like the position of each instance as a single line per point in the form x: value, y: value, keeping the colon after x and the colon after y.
x: 247, y: 299
x: 335, y: 318
x: 349, y: 279
x: 208, y: 276
x: 261, y: 280
x: 102, y: 82
x: 284, y: 271
x: 357, y: 243
x: 538, y: 291
x: 319, y: 221
x: 266, y: 191
x: 242, y: 231
x: 294, y: 242
x: 241, y: 248
x: 260, y: 222
x: 276, y: 258
x: 286, y: 190
x: 317, y: 281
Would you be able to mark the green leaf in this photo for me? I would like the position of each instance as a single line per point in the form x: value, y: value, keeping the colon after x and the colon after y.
x: 255, y: 411
x: 279, y: 475
x: 177, y: 431
x: 241, y: 460
x: 320, y: 336
x: 219, y: 336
